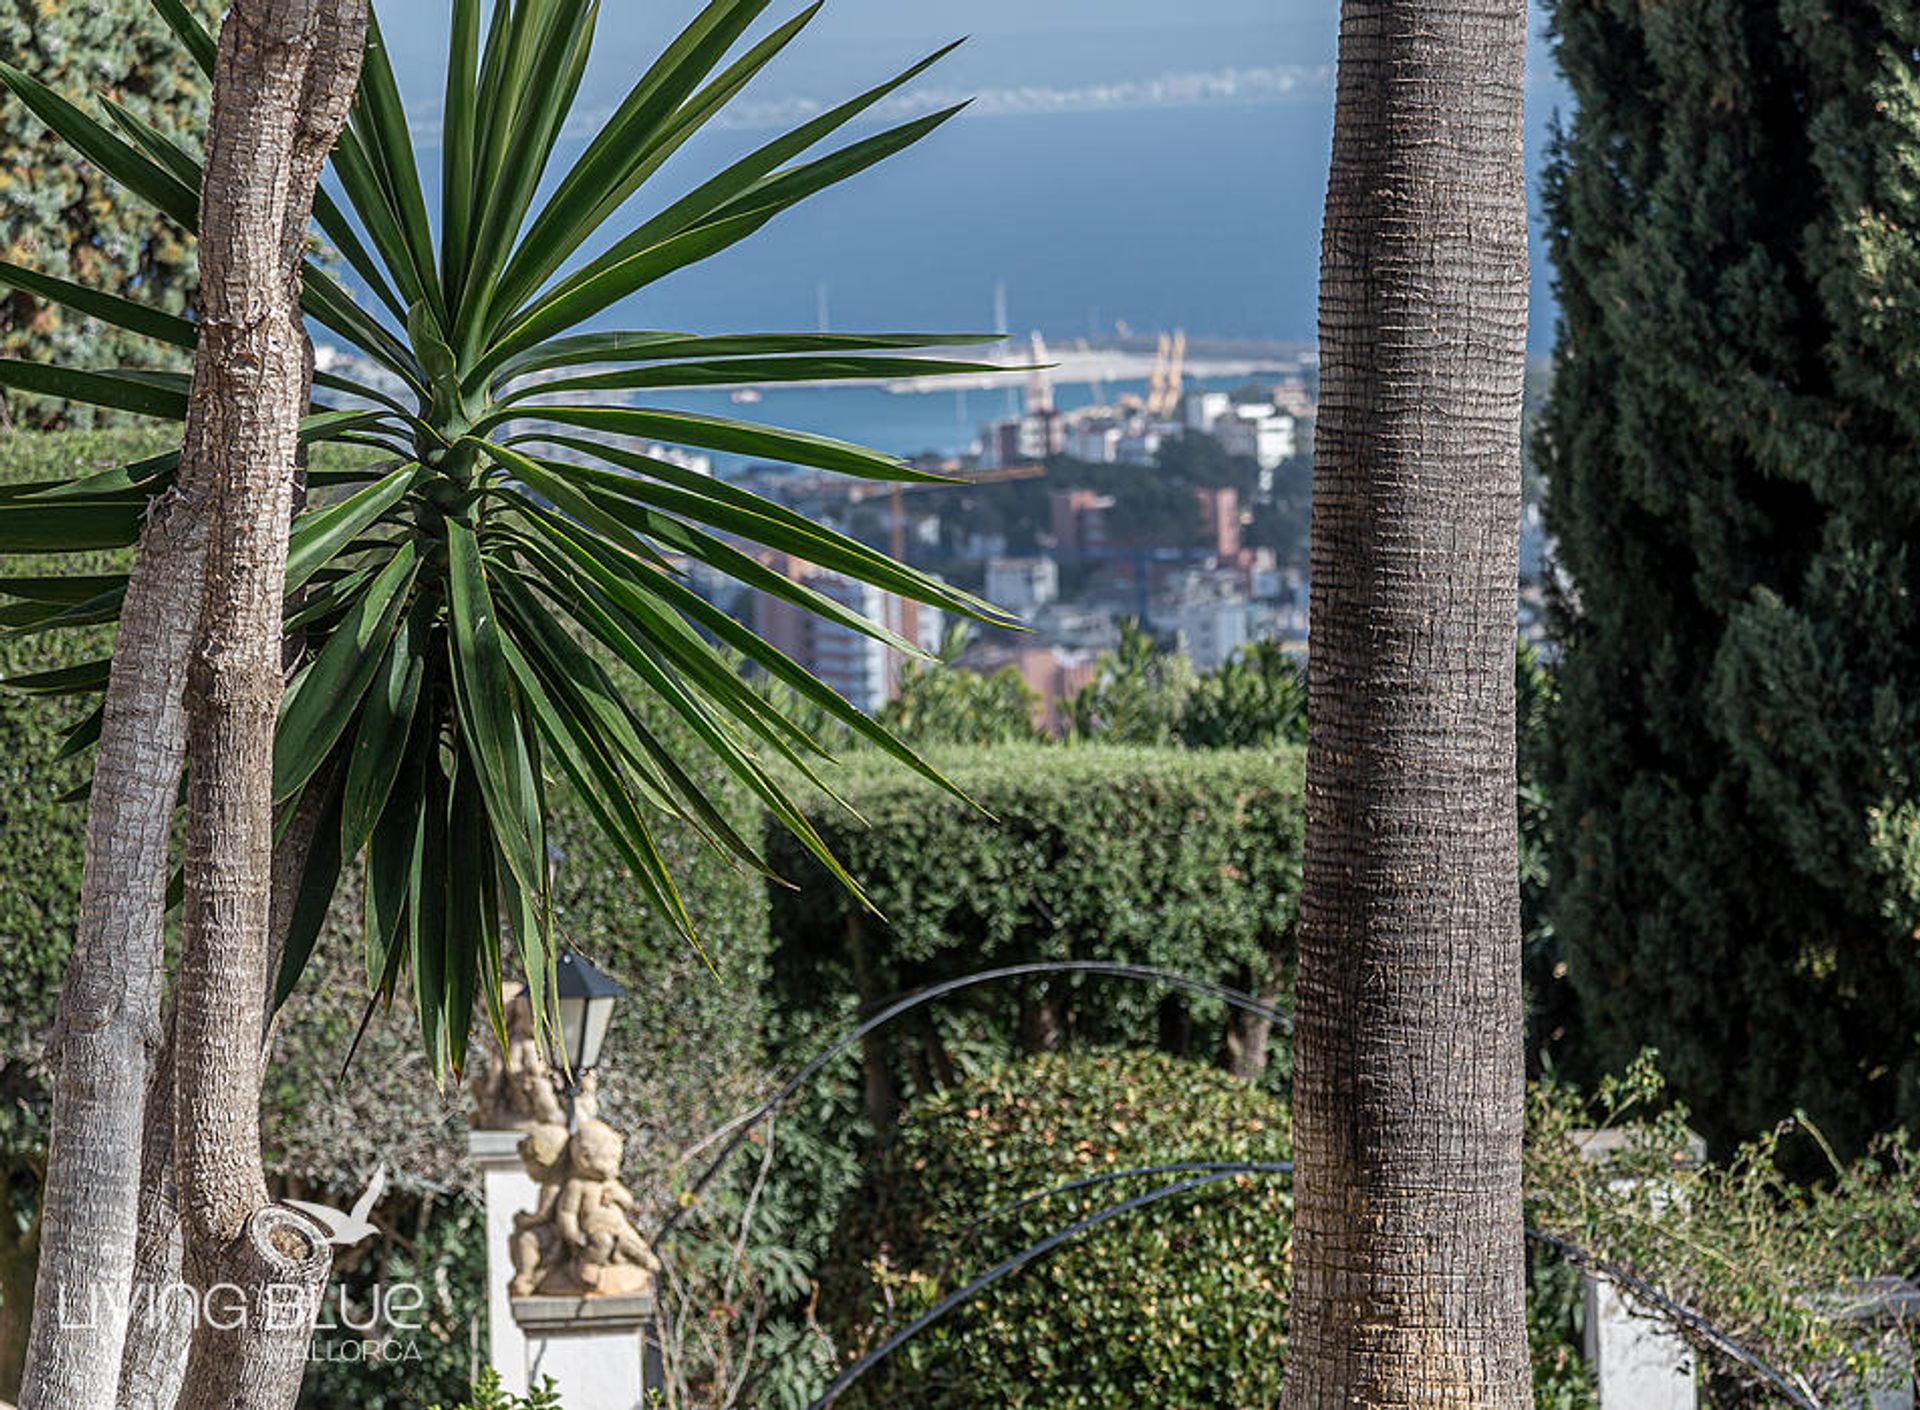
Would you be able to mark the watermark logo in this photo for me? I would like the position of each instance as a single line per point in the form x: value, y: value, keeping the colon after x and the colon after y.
x: 351, y: 1228
x: 376, y: 1323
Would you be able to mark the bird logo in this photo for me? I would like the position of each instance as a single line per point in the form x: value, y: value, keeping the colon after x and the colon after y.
x: 346, y: 1230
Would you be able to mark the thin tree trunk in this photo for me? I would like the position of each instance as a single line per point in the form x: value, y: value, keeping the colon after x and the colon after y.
x: 108, y: 1024
x: 1042, y: 1023
x: 160, y: 1334
x: 161, y: 1328
x: 19, y: 1252
x: 1246, y: 1038
x: 282, y: 88
x: 876, y: 1048
x: 1408, y: 1266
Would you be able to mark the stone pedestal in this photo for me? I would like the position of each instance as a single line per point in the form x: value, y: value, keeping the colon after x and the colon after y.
x: 509, y: 1190
x: 599, y: 1351
x: 1639, y: 1362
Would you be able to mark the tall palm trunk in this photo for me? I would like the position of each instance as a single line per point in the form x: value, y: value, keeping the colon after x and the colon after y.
x: 285, y: 79
x: 1408, y: 1270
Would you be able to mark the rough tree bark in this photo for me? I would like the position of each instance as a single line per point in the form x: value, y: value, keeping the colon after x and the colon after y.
x: 1408, y: 1265
x: 160, y: 1335
x: 1246, y: 1039
x: 285, y: 80
x: 107, y: 1028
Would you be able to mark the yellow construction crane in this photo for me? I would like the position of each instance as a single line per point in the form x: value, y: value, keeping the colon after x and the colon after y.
x: 1169, y: 375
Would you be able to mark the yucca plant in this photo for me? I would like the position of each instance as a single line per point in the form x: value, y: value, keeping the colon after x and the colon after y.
x: 504, y: 537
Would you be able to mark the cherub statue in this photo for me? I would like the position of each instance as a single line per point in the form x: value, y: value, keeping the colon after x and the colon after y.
x: 581, y: 1240
x: 594, y: 1215
x: 516, y: 1091
x: 535, y: 1246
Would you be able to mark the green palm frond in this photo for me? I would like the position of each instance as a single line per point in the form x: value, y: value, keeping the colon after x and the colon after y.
x: 460, y: 594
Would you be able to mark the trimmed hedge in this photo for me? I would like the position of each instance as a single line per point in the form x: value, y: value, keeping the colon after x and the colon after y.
x: 1178, y: 1304
x: 1184, y: 861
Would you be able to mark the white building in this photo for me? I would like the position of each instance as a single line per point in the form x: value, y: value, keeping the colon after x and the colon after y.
x: 1209, y: 632
x: 1023, y: 585
x: 1205, y: 410
x: 855, y: 666
x: 1095, y: 442
x: 1262, y: 432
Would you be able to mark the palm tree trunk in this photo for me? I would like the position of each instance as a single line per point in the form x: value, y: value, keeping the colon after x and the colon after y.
x: 1408, y: 1269
x: 285, y: 78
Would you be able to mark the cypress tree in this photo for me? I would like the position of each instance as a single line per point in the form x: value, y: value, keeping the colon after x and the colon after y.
x: 62, y: 217
x: 1733, y: 446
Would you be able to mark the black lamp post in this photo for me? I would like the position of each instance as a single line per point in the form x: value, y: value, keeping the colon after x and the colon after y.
x: 585, y: 1000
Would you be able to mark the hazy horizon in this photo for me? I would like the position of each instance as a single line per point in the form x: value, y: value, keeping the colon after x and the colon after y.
x: 1031, y: 186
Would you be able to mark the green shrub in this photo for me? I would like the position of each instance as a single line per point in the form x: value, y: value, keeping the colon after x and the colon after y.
x: 1770, y: 1261
x: 1134, y: 1312
x: 488, y: 1395
x: 1184, y: 861
x: 1178, y: 1304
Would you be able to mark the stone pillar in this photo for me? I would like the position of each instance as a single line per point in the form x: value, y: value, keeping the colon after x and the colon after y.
x: 509, y: 1190
x: 599, y: 1351
x: 1639, y: 1362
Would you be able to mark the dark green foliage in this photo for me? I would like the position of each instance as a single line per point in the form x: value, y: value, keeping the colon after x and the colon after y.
x: 1139, y: 696
x: 487, y: 1395
x: 425, y: 1354
x: 1773, y: 1264
x: 60, y: 216
x: 1178, y: 1304
x: 1185, y: 861
x: 1146, y: 693
x: 1731, y: 453
x: 1255, y: 700
x: 1551, y: 1010
x: 939, y: 703
x: 1189, y: 862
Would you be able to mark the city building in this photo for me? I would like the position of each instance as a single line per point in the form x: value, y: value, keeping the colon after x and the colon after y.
x: 1209, y: 632
x: 1023, y: 585
x: 1259, y: 430
x: 1079, y: 522
x: 1038, y: 435
x: 863, y: 671
x: 1205, y: 410
x: 1220, y: 520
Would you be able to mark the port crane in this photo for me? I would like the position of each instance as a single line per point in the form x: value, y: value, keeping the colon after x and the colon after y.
x: 1169, y: 375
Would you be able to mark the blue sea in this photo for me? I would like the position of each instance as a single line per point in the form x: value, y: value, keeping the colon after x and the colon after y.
x: 1205, y: 218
